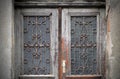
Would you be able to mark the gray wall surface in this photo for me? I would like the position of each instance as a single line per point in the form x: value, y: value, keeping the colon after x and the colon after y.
x: 113, y: 24
x: 112, y: 37
x: 6, y: 24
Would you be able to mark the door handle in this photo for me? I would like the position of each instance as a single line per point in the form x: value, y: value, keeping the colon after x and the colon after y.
x: 63, y: 65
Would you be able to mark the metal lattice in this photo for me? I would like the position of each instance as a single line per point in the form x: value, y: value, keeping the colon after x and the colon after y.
x: 83, y: 45
x: 37, y: 58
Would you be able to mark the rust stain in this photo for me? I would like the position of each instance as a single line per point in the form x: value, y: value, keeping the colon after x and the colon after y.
x: 61, y: 58
x: 64, y: 56
x: 60, y: 40
x: 60, y: 66
x: 62, y: 45
x: 67, y: 58
x: 67, y: 55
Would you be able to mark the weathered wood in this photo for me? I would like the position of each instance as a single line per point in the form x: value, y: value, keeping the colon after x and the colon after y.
x: 60, y: 40
x: 103, y: 42
x: 59, y: 0
x: 60, y: 44
x: 53, y: 13
x: 37, y: 77
x: 18, y: 41
x: 66, y: 37
x: 60, y: 4
x: 84, y: 77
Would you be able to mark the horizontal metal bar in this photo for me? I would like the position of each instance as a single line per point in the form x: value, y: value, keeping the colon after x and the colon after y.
x: 59, y: 4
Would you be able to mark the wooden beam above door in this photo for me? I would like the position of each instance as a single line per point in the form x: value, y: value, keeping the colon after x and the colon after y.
x: 59, y: 4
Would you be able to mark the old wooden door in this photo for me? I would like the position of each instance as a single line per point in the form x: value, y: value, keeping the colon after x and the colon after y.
x: 58, y: 43
x: 36, y: 43
x: 81, y: 46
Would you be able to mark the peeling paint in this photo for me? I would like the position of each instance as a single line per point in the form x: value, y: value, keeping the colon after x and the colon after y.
x: 109, y: 44
x: 109, y: 41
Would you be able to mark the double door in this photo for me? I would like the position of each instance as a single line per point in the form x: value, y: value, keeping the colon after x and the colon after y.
x: 60, y: 43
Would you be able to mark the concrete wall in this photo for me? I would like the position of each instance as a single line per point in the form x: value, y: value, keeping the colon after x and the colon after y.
x: 6, y: 25
x: 113, y: 39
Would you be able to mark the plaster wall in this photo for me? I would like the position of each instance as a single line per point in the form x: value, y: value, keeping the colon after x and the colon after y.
x: 113, y: 36
x: 6, y: 24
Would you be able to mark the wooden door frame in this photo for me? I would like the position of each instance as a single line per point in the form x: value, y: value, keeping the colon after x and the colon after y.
x: 60, y: 75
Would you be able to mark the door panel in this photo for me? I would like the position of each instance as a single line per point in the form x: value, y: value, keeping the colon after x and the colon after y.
x: 38, y: 31
x: 83, y: 45
x: 37, y: 58
x: 80, y: 38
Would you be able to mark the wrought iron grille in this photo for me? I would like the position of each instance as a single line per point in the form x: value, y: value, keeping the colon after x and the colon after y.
x: 83, y: 45
x: 37, y: 58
